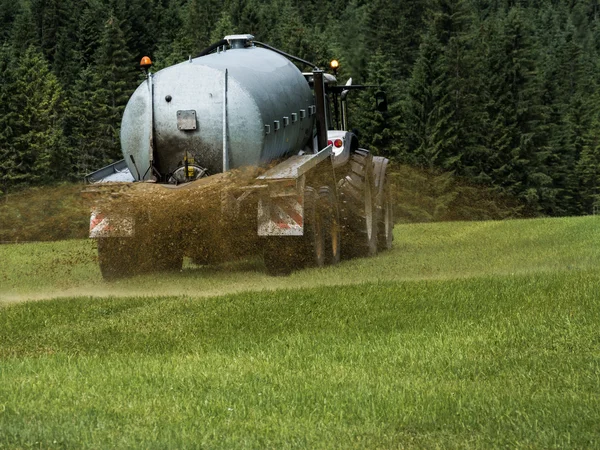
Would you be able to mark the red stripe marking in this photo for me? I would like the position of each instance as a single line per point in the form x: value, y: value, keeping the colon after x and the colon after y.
x: 96, y: 220
x: 295, y: 216
x: 291, y: 211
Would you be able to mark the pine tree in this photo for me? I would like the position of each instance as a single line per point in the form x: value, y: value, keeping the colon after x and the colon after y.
x: 90, y: 27
x: 85, y: 135
x: 9, y: 10
x: 439, y: 92
x: 167, y: 21
x: 198, y: 24
x: 348, y: 41
x: 419, y: 105
x: 588, y: 170
x: 223, y: 27
x: 290, y: 34
x: 7, y: 116
x: 39, y: 152
x: 138, y: 26
x: 22, y: 32
x: 572, y: 106
x: 394, y: 28
x: 114, y: 82
x: 516, y: 113
x: 379, y: 131
x: 247, y: 18
x: 51, y: 18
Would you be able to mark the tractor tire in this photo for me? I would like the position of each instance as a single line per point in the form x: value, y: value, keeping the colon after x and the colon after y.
x: 118, y: 258
x: 358, y: 207
x: 385, y: 228
x: 385, y: 211
x: 284, y: 254
x: 330, y: 219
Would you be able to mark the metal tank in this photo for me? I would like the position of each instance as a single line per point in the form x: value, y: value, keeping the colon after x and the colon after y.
x: 244, y: 106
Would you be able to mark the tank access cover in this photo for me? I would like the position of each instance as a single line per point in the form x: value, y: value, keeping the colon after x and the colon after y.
x: 186, y: 120
x: 239, y: 40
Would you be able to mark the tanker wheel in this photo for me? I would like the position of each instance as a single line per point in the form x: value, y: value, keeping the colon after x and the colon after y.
x: 281, y: 254
x: 386, y: 220
x: 284, y: 254
x: 358, y: 207
x: 330, y: 219
x: 166, y: 257
x: 117, y: 257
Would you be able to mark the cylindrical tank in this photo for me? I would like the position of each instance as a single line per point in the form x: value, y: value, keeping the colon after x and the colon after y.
x: 261, y: 98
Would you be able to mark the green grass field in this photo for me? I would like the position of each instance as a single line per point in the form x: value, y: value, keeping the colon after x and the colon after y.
x: 470, y: 335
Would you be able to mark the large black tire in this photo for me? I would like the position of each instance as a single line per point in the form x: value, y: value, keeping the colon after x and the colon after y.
x: 385, y: 214
x: 358, y: 207
x: 127, y: 256
x: 118, y: 258
x: 284, y: 254
x: 330, y: 219
x: 385, y: 228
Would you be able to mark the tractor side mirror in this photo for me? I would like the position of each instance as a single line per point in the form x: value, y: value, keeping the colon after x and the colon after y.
x: 381, y: 101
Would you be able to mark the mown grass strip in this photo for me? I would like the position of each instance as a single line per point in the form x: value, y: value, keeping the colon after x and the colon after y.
x: 494, y: 361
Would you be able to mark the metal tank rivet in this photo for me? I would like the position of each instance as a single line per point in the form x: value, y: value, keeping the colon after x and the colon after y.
x: 168, y: 98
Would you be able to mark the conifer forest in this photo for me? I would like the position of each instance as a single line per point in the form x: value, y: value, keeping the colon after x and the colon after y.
x: 502, y: 93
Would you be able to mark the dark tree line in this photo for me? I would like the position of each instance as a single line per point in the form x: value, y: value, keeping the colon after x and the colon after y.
x: 500, y: 92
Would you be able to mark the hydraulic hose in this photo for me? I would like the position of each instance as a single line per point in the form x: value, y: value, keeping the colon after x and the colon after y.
x: 223, y: 42
x: 287, y: 55
x: 211, y: 48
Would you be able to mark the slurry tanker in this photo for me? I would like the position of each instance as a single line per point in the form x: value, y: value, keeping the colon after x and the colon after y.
x: 235, y: 153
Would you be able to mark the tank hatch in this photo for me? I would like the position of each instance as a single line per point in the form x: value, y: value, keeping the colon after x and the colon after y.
x: 239, y: 40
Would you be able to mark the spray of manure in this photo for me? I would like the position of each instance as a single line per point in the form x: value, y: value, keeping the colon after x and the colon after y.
x: 201, y: 219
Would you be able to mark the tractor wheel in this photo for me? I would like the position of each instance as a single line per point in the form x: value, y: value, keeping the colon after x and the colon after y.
x: 358, y: 207
x: 284, y: 254
x: 117, y: 257
x: 386, y: 220
x: 330, y: 219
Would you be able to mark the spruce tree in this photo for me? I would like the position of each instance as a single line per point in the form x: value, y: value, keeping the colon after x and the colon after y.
x: 588, y: 170
x: 223, y: 27
x: 377, y: 130
x: 439, y: 100
x: 419, y: 104
x: 348, y: 41
x: 9, y: 10
x: 22, y: 32
x: 289, y: 33
x: 51, y: 17
x: 7, y: 117
x: 517, y: 136
x: 90, y: 27
x: 394, y: 28
x: 198, y: 21
x: 114, y: 81
x: 39, y: 152
x: 85, y: 135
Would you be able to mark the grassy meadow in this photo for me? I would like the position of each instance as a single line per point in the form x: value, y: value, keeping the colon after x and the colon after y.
x: 465, y: 335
